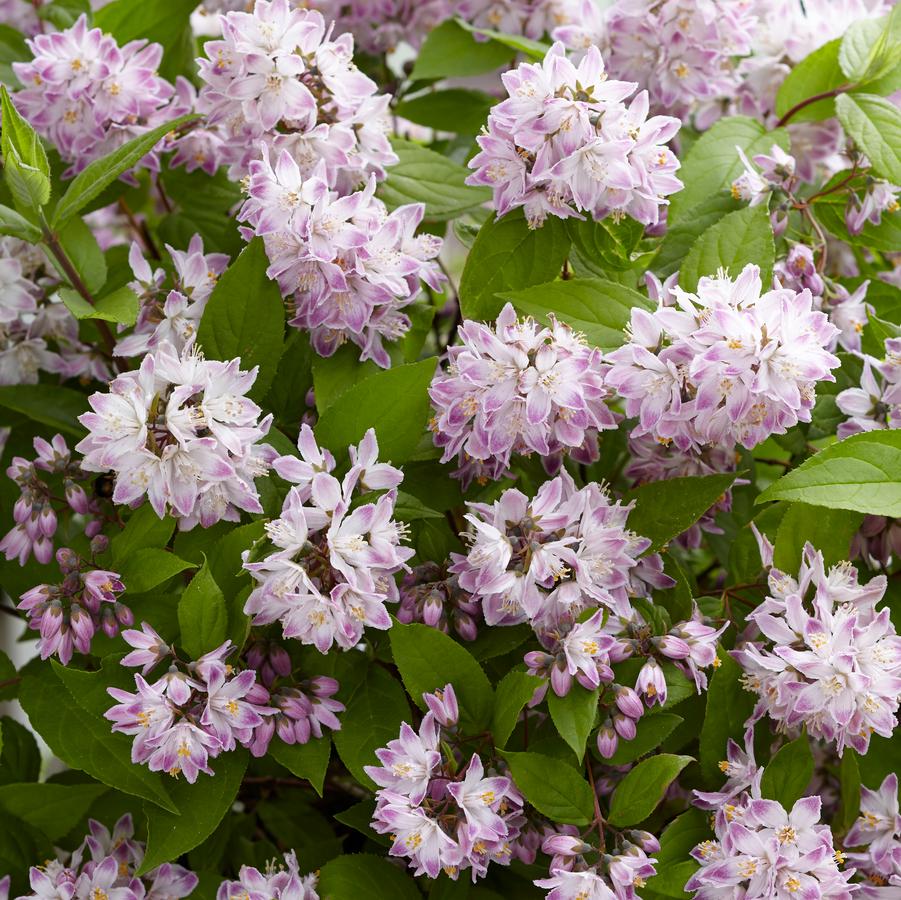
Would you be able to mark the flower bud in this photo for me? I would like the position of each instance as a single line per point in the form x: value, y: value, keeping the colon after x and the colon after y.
x: 607, y: 740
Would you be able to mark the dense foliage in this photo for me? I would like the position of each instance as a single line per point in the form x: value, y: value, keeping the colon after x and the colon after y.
x: 453, y: 449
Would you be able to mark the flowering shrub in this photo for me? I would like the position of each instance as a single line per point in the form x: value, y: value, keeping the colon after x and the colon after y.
x: 451, y: 449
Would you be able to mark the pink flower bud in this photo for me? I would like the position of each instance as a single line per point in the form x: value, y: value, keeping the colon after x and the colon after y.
x: 607, y: 740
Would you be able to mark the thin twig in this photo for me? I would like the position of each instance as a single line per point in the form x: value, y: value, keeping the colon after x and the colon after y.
x: 140, y: 229
x: 824, y: 95
x: 597, y: 805
x: 71, y: 273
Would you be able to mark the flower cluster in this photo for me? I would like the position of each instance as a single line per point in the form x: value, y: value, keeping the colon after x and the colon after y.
x: 87, y: 95
x: 440, y: 815
x: 518, y: 388
x: 831, y: 662
x: 36, y: 512
x: 614, y: 876
x: 546, y: 559
x: 278, y: 79
x: 170, y: 309
x: 682, y: 52
x: 876, y: 404
x: 563, y: 143
x: 727, y: 365
x: 878, y: 829
x: 280, y: 881
x: 191, y: 714
x: 325, y: 570
x: 37, y: 332
x: 110, y: 871
x: 348, y: 265
x: 68, y: 615
x: 181, y: 431
x: 764, y: 852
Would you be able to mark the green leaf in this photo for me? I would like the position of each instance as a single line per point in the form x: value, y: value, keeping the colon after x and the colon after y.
x: 144, y: 529
x: 147, y: 568
x: 829, y: 530
x: 862, y: 473
x: 422, y: 176
x: 120, y: 306
x: 352, y: 875
x: 12, y: 49
x: 244, y: 318
x: 849, y: 779
x: 18, y: 226
x: 98, y: 175
x: 84, y: 253
x: 507, y: 256
x: 535, y: 50
x: 54, y: 809
x: 650, y: 733
x: 574, y: 716
x: 553, y: 787
x: 20, y: 759
x: 665, y: 509
x: 373, y: 717
x: 738, y: 239
x: 393, y: 401
x: 871, y: 48
x: 64, y: 13
x: 56, y: 407
x: 638, y: 794
x: 25, y: 164
x: 787, y: 774
x: 817, y: 73
x: 514, y: 691
x: 308, y: 761
x: 679, y: 239
x: 203, y: 805
x: 456, y: 110
x: 729, y: 706
x: 604, y: 245
x: 875, y: 125
x: 674, y: 865
x: 428, y: 660
x: 712, y: 164
x: 83, y: 740
x: 598, y: 309
x: 202, y: 616
x: 451, y: 51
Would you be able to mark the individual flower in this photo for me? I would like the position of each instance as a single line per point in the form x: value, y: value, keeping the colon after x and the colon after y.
x: 879, y: 197
x: 563, y: 143
x: 825, y: 657
x: 326, y: 569
x: 182, y: 432
x: 87, y: 95
x: 518, y: 387
x: 876, y: 404
x: 878, y: 831
x: 278, y: 78
x: 727, y: 365
x: 348, y: 266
